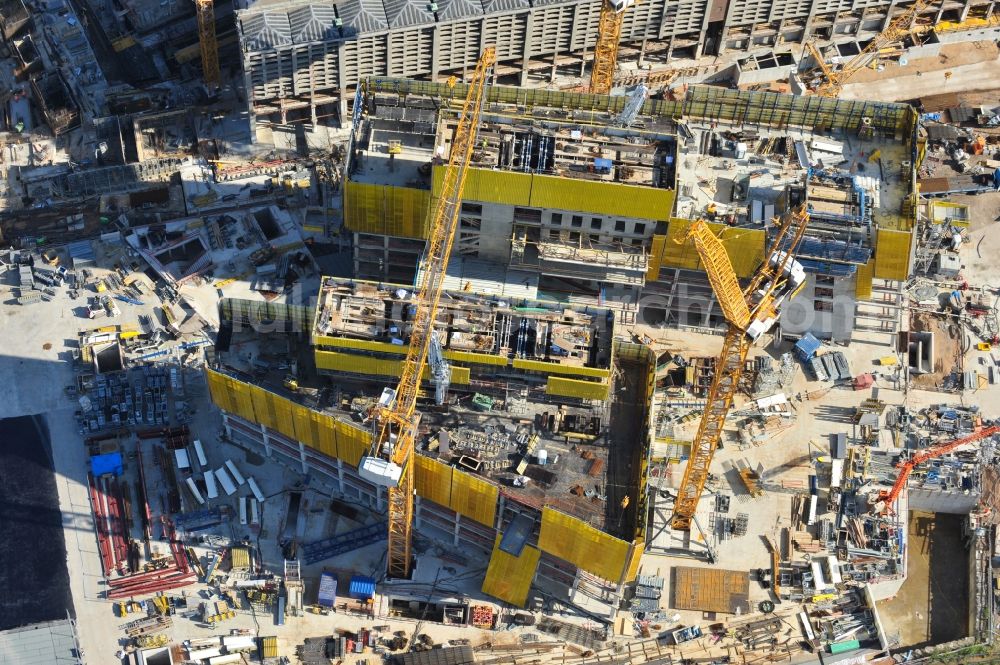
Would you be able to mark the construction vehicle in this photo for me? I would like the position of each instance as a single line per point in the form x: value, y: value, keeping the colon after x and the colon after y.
x: 885, y: 500
x: 984, y: 346
x: 208, y: 42
x: 291, y: 383
x: 609, y: 33
x: 834, y: 80
x: 751, y: 312
x: 389, y: 460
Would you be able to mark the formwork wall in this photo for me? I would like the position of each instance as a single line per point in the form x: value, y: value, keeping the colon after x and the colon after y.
x: 558, y: 193
x: 745, y: 248
x: 471, y: 496
x: 386, y: 210
x: 892, y: 254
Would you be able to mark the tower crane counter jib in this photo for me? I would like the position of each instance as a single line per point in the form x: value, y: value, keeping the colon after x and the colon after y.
x: 388, y: 462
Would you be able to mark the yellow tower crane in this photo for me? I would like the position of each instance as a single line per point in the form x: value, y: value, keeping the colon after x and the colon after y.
x: 609, y: 33
x: 389, y: 460
x: 833, y: 81
x: 750, y: 312
x: 209, y: 45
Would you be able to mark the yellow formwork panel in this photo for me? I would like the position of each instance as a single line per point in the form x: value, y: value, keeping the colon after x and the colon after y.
x: 655, y: 256
x: 503, y: 187
x: 892, y: 254
x: 352, y: 443
x: 863, y: 281
x: 282, y: 410
x: 361, y: 345
x: 634, y: 559
x: 218, y: 388
x: 745, y: 248
x: 509, y: 577
x: 244, y: 400
x: 326, y: 434
x: 584, y: 546
x: 558, y: 385
x: 386, y: 210
x: 460, y: 376
x: 603, y: 198
x: 473, y: 497
x: 306, y: 429
x: 476, y: 358
x: 556, y: 368
x: 357, y: 364
x: 262, y: 408
x: 432, y: 479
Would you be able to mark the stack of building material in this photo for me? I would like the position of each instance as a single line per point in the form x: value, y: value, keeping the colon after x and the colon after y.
x: 804, y: 542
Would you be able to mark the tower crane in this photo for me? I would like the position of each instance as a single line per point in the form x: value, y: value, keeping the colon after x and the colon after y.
x: 209, y: 45
x: 886, y: 500
x: 388, y: 461
x: 833, y: 81
x: 609, y: 34
x: 750, y: 312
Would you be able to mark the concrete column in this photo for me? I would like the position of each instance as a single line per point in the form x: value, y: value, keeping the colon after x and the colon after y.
x: 526, y: 49
x: 965, y: 12
x: 552, y: 72
x: 342, y: 117
x: 642, y: 52
x: 670, y: 49
x: 226, y: 426
x: 458, y: 522
x: 340, y: 475
x: 888, y: 14
x: 435, y: 51
x: 418, y: 521
x: 267, y: 440
x: 302, y: 458
x: 380, y: 499
x: 500, y: 508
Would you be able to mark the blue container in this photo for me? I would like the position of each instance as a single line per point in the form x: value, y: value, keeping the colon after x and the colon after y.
x: 327, y: 590
x: 362, y: 588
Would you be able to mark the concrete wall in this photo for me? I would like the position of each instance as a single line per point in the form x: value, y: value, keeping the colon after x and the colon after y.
x: 936, y: 501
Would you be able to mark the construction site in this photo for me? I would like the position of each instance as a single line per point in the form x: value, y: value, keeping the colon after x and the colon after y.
x: 516, y: 333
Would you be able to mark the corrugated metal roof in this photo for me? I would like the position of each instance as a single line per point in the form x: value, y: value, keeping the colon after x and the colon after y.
x: 450, y: 10
x: 496, y: 6
x: 265, y: 30
x: 312, y: 23
x: 404, y: 13
x: 363, y: 16
x: 48, y: 643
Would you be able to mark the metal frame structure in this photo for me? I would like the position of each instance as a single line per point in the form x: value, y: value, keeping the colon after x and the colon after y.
x: 395, y: 424
x: 741, y: 309
x: 208, y: 42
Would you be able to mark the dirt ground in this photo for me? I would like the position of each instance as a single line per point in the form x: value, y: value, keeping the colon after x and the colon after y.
x: 932, y: 605
x: 947, y: 348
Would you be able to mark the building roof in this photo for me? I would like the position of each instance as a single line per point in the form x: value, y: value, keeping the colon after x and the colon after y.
x: 50, y: 643
x: 363, y: 16
x: 265, y: 30
x: 403, y: 13
x: 312, y: 23
x: 450, y: 10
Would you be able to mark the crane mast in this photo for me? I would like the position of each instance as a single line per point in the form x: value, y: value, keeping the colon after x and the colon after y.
x: 750, y: 312
x: 209, y: 45
x: 389, y: 460
x: 887, y: 499
x: 609, y: 33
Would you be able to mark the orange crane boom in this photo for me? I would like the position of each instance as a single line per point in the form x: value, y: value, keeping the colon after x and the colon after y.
x: 389, y: 460
x: 906, y: 467
x: 750, y: 313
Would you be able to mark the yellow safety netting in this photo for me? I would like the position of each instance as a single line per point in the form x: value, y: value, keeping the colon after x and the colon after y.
x: 244, y: 400
x: 218, y: 388
x: 558, y: 385
x: 579, y: 543
x: 863, y: 281
x: 655, y: 256
x: 327, y: 435
x: 603, y: 198
x: 473, y: 497
x: 892, y: 254
x: 556, y: 368
x: 432, y: 479
x: 509, y: 577
x: 634, y: 559
x: 745, y: 248
x: 282, y: 410
x: 306, y: 429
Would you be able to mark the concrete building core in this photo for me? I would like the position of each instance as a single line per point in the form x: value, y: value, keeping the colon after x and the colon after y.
x: 567, y: 201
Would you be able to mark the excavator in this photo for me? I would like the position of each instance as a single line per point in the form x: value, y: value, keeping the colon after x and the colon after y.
x: 751, y: 312
x: 389, y: 461
x: 886, y: 500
